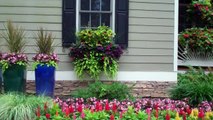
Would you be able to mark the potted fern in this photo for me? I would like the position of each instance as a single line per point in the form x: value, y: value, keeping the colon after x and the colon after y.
x: 15, y: 61
x: 45, y: 63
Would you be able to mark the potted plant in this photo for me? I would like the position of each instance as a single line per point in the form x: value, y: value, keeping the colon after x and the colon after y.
x: 0, y: 73
x: 15, y: 61
x: 201, y: 11
x: 95, y: 53
x: 45, y: 63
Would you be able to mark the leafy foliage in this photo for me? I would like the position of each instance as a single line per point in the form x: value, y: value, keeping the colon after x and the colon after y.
x: 201, y: 10
x: 14, y: 37
x: 199, y: 39
x: 95, y: 52
x: 116, y: 90
x: 19, y: 107
x: 196, y: 85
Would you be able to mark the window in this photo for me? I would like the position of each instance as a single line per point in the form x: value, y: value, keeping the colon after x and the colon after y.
x: 183, y: 22
x: 93, y: 13
x: 79, y: 14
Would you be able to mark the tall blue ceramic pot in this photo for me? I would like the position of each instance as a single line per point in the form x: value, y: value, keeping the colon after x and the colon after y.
x: 45, y: 80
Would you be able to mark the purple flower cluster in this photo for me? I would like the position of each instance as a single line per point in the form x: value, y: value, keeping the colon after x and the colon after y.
x: 44, y: 58
x: 13, y: 58
x: 112, y: 51
x: 139, y: 104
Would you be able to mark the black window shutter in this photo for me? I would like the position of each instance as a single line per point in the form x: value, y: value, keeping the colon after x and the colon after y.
x: 68, y: 22
x: 122, y: 22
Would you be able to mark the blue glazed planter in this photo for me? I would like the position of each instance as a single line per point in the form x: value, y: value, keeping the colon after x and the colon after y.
x: 45, y: 80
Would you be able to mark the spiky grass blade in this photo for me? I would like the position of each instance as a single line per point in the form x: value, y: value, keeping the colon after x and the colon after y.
x: 14, y: 37
x: 44, y: 41
x: 20, y: 107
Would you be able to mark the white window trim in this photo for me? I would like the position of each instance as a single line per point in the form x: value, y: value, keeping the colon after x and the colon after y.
x: 78, y: 15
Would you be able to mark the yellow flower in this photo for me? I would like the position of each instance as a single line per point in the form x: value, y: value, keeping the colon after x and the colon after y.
x: 177, y: 116
x: 196, y: 112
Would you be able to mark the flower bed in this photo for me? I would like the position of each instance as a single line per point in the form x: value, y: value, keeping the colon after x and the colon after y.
x: 141, y: 109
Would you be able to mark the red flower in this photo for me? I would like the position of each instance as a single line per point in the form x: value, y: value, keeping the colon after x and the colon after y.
x: 167, y: 116
x: 188, y: 110
x: 80, y: 108
x: 201, y: 114
x: 67, y: 112
x: 184, y: 116
x: 71, y: 109
x: 98, y: 106
x: 207, y: 8
x: 38, y: 114
x: 156, y: 114
x: 45, y: 106
x: 103, y: 58
x: 185, y: 35
x: 112, y: 117
x: 114, y: 107
x: 47, y: 116
x: 107, y: 108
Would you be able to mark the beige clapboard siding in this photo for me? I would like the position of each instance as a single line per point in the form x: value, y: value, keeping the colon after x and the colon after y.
x: 31, y: 10
x: 153, y: 1
x: 31, y: 3
x: 151, y: 36
x: 30, y: 18
x: 151, y: 29
x: 151, y: 6
x: 151, y: 21
x: 150, y: 14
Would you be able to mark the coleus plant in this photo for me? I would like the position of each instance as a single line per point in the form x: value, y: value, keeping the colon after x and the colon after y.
x: 95, y: 52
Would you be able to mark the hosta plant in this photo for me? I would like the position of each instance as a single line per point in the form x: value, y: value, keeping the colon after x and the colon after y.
x: 14, y: 37
x: 95, y: 52
x: 45, y: 55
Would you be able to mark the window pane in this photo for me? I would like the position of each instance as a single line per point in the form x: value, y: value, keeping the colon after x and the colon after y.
x: 95, y: 20
x: 84, y: 19
x: 105, y: 5
x: 84, y: 4
x: 105, y: 19
x: 95, y: 4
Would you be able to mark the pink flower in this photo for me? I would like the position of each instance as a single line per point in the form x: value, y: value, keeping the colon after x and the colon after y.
x: 82, y: 115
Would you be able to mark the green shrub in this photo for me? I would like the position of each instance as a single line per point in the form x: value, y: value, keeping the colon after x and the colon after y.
x: 20, y: 107
x: 116, y: 90
x: 196, y: 85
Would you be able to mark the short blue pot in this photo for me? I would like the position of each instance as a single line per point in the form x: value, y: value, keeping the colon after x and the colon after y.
x: 45, y: 80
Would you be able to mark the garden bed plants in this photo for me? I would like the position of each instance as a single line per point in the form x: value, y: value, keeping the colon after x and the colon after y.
x: 141, y: 109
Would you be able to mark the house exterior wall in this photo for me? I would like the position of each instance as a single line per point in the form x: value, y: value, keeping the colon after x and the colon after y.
x: 151, y: 31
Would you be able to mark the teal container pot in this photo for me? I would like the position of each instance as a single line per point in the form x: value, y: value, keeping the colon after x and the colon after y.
x: 14, y: 78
